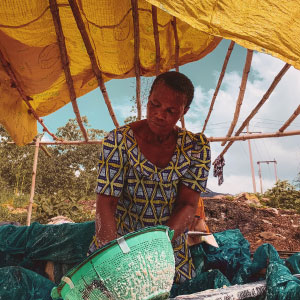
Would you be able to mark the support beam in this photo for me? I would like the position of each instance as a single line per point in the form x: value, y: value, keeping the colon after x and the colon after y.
x: 177, y: 47
x: 136, y: 27
x: 156, y: 40
x: 241, y: 94
x: 65, y: 63
x: 210, y: 139
x: 35, y: 160
x: 15, y: 83
x: 259, y: 105
x: 290, y: 120
x: 92, y: 56
x: 212, y: 103
x: 254, y: 136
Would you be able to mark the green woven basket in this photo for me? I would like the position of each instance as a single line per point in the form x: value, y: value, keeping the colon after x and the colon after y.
x: 139, y: 265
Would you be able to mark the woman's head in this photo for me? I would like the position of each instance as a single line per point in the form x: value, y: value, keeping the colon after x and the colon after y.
x: 170, y: 97
x: 177, y: 82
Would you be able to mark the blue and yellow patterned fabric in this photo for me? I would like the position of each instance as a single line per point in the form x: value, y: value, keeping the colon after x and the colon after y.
x: 148, y: 193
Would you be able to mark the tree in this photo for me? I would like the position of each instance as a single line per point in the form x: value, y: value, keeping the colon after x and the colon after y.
x: 71, y: 168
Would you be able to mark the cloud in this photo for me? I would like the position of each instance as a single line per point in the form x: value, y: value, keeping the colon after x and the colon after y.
x: 278, y: 108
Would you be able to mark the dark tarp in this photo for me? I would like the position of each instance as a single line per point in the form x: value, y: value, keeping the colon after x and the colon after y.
x: 30, y: 248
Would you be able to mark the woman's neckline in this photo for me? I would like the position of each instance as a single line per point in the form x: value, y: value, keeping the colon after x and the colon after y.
x: 174, y: 155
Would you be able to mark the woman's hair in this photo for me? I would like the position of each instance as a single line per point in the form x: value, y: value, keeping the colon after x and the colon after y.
x: 177, y: 82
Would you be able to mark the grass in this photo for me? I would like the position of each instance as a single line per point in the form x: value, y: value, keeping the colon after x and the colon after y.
x: 13, y: 208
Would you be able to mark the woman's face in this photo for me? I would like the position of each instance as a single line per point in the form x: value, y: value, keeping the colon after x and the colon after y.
x: 165, y: 107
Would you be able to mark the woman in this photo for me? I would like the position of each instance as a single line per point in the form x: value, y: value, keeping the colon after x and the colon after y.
x: 152, y: 172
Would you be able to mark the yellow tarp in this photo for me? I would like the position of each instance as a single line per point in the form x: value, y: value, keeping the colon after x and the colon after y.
x: 29, y: 43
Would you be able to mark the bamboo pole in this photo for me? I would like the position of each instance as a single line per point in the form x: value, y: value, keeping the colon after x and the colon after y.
x: 229, y: 51
x: 15, y: 84
x: 65, y: 63
x: 290, y: 120
x: 177, y: 47
x: 156, y: 40
x: 136, y: 27
x: 241, y: 94
x: 254, y: 136
x: 36, y: 152
x: 91, y: 53
x: 259, y: 105
x: 210, y: 139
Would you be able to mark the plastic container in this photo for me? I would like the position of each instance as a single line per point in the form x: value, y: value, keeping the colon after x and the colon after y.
x: 137, y: 266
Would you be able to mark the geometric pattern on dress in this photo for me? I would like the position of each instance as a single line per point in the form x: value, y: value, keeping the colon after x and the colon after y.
x: 147, y: 194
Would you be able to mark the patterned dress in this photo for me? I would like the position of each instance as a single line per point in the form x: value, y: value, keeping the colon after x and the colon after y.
x: 147, y: 194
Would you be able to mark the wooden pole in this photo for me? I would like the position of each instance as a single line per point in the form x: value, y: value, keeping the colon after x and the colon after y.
x: 92, y: 56
x: 177, y: 47
x: 15, y: 84
x: 65, y: 63
x: 254, y: 136
x: 156, y: 40
x: 260, y: 179
x: 259, y: 105
x: 136, y: 28
x: 29, y: 210
x: 229, y: 51
x: 251, y: 163
x: 242, y: 93
x: 290, y: 120
x: 211, y: 139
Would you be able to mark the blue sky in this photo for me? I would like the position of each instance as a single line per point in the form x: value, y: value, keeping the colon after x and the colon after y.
x: 204, y: 74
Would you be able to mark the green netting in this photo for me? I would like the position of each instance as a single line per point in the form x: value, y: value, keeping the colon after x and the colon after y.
x: 17, y: 283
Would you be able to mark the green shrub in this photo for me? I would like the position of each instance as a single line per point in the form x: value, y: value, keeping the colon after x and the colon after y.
x: 284, y: 195
x: 63, y: 203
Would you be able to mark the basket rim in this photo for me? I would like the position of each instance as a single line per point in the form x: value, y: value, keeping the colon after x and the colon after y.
x: 107, y: 246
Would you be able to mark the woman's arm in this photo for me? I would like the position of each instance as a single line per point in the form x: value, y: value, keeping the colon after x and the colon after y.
x: 106, y: 227
x: 184, y: 211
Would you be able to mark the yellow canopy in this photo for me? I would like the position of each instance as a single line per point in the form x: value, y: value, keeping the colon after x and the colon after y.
x: 28, y: 42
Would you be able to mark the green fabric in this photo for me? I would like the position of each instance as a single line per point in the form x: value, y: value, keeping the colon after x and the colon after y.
x: 250, y: 271
x: 281, y: 284
x: 65, y: 243
x: 233, y: 252
x: 203, y: 281
x: 293, y: 263
x: 17, y: 283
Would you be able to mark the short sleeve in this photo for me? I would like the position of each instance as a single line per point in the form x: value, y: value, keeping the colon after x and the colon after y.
x: 197, y: 174
x: 112, y: 159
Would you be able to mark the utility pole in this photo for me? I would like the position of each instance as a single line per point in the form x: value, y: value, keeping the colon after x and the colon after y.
x: 275, y: 169
x: 251, y: 160
x: 251, y: 163
x: 259, y: 171
x: 259, y: 174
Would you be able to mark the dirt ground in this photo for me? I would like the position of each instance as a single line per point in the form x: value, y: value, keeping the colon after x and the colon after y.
x: 279, y: 227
